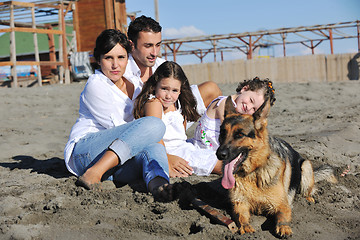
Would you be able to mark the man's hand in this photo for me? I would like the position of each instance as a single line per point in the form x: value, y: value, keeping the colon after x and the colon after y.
x: 178, y: 167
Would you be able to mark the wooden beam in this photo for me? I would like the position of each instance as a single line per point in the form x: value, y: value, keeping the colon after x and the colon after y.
x: 29, y: 63
x: 29, y: 4
x: 21, y: 24
x: 31, y: 30
x: 6, y: 63
x: 22, y: 4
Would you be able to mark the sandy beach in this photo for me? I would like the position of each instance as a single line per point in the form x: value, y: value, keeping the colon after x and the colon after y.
x: 39, y: 198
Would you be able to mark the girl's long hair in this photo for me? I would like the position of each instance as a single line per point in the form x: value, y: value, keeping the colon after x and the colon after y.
x: 187, y: 100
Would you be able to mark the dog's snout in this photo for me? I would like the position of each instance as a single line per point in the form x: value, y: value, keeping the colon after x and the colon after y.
x: 222, y: 153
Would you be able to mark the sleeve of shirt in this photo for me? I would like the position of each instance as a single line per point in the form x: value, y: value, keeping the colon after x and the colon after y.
x: 99, y: 100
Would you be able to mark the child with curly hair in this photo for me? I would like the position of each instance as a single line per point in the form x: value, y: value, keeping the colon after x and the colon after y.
x: 250, y: 95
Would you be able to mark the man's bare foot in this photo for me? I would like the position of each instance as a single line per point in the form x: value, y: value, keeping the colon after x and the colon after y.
x: 164, y: 193
x: 161, y: 189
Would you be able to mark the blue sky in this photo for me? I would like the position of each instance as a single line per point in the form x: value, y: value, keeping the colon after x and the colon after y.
x: 182, y: 18
x: 206, y: 17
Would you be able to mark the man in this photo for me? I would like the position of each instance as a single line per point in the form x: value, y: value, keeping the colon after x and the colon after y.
x: 144, y: 34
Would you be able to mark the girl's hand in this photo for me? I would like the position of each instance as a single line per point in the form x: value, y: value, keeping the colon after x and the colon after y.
x: 178, y: 167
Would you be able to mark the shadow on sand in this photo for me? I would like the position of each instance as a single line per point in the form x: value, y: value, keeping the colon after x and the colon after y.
x: 54, y: 167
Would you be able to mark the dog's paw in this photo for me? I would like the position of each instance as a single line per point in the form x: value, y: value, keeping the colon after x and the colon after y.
x: 283, y: 230
x: 246, y: 228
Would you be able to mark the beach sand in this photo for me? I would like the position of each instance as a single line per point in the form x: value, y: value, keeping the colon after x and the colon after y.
x: 39, y: 198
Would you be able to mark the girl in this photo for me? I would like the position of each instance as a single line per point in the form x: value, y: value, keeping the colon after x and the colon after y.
x: 250, y: 95
x: 105, y: 143
x: 167, y: 95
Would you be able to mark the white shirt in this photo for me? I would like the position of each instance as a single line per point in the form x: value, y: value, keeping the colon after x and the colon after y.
x: 202, y: 161
x: 102, y: 105
x: 132, y: 69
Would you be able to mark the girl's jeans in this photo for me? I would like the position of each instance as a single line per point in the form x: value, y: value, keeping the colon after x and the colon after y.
x: 135, y: 143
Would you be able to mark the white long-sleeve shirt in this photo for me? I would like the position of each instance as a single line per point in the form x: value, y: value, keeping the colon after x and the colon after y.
x: 102, y: 105
x: 132, y: 69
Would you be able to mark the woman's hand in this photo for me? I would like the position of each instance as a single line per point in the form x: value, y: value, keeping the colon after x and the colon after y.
x: 178, y: 167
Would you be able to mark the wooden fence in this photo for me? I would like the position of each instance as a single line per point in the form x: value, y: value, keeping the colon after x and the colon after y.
x: 310, y: 68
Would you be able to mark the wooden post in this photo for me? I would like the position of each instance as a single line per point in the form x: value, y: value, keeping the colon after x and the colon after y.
x: 109, y: 14
x: 52, y: 51
x: 120, y: 16
x: 358, y: 34
x: 61, y: 53
x: 13, y: 47
x: 312, y: 47
x: 331, y: 41
x: 165, y: 52
x: 249, y: 55
x: 214, y: 45
x: 64, y: 48
x: 283, y: 36
x: 156, y: 6
x: 37, y: 57
x: 76, y: 25
x: 174, y: 52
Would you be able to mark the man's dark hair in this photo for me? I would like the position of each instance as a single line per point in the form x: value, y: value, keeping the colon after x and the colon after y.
x: 142, y: 24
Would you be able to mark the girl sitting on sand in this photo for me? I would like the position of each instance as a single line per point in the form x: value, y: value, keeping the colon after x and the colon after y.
x: 106, y: 143
x: 167, y: 95
x: 250, y: 95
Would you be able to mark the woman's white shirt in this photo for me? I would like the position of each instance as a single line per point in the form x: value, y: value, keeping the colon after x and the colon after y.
x: 102, y: 105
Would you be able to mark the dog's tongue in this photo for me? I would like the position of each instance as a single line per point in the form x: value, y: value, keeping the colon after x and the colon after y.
x: 228, y: 179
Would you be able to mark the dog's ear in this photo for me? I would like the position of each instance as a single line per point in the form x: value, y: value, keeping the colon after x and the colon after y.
x: 260, y: 116
x: 229, y: 107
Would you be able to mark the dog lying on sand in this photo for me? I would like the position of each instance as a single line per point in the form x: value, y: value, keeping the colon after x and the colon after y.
x: 262, y: 172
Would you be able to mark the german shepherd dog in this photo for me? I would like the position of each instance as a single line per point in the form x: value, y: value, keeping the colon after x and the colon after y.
x: 262, y: 172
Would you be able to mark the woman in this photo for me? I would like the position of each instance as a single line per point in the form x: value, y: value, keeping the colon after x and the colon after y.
x: 106, y: 143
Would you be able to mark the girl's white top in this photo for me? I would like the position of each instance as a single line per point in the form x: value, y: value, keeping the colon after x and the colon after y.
x: 201, y: 160
x: 207, y: 131
x: 102, y: 105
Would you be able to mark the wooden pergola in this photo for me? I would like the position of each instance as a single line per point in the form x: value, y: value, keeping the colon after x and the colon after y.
x: 27, y: 13
x: 247, y: 42
x: 88, y: 18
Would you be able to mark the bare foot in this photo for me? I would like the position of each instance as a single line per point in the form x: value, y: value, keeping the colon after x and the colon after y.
x: 161, y: 189
x: 88, y: 182
x: 164, y: 193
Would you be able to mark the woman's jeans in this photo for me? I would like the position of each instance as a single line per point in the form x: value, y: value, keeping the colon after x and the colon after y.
x: 135, y: 143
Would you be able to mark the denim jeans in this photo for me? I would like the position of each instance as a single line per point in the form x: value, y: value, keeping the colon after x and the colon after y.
x: 140, y: 154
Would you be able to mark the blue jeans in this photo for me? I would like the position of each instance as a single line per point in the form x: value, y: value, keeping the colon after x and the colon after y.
x: 140, y: 154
